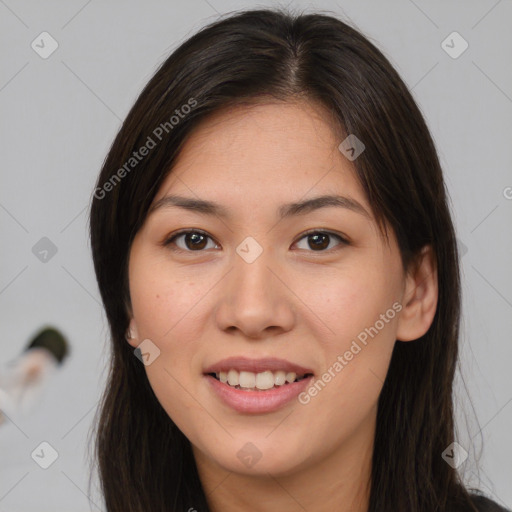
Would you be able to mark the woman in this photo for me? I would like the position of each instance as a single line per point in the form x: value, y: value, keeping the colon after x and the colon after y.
x: 272, y: 241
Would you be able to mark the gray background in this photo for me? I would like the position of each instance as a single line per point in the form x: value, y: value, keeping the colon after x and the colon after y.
x: 59, y: 116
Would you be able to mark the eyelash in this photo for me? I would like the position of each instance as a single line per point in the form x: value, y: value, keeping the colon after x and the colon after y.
x: 169, y: 242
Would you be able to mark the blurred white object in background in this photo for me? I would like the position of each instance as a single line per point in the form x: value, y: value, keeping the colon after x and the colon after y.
x: 24, y: 379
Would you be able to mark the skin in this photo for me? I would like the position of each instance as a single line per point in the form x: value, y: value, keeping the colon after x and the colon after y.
x: 294, y: 301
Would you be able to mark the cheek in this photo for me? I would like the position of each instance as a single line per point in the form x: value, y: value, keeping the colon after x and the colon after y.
x: 359, y: 307
x: 166, y: 308
x: 355, y: 356
x: 164, y: 301
x: 349, y: 301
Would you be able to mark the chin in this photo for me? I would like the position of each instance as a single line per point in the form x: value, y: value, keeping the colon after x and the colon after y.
x: 260, y: 455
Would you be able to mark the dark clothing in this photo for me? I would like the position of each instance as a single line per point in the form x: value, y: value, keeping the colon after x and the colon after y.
x: 484, y: 504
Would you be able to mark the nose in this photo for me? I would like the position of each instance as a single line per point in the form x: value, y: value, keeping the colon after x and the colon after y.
x: 254, y: 300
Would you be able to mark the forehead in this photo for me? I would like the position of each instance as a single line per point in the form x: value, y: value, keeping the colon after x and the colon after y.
x: 272, y: 151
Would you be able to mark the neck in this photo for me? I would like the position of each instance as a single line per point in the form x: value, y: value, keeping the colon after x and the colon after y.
x: 338, y: 481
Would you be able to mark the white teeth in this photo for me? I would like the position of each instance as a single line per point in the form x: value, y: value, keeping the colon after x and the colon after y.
x: 233, y: 378
x: 247, y: 380
x: 279, y: 378
x: 263, y: 380
x: 291, y: 376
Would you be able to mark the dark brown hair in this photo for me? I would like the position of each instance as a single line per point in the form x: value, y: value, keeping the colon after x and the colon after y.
x: 145, y: 462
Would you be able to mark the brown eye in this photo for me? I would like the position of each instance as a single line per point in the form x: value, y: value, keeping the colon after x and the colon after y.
x: 196, y: 241
x: 193, y: 241
x: 319, y: 241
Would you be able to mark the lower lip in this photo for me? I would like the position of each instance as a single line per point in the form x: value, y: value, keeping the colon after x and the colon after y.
x: 258, y: 402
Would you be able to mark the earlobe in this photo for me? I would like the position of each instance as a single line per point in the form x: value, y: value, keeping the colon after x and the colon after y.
x: 420, y: 297
x: 132, y: 335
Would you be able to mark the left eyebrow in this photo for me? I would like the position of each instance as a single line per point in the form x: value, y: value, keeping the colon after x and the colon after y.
x: 287, y: 210
x: 309, y: 205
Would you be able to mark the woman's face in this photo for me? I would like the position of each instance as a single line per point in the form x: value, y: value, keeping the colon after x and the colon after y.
x: 252, y: 285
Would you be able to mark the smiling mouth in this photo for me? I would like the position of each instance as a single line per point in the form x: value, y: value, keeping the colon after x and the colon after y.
x: 249, y: 381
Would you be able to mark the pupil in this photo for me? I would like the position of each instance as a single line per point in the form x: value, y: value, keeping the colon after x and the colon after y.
x: 195, y: 237
x: 317, y: 237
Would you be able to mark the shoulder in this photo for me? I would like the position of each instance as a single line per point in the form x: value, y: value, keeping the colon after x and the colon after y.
x: 484, y: 504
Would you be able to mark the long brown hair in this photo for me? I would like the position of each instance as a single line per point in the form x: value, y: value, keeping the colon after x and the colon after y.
x: 145, y: 462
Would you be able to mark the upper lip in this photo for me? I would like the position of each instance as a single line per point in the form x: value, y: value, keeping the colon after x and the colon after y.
x: 256, y: 365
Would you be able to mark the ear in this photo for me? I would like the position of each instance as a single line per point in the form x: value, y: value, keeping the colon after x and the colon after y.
x: 132, y: 334
x: 420, y: 297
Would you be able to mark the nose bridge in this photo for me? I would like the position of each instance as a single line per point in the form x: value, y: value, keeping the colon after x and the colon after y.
x: 254, y: 299
x: 251, y: 273
x: 253, y: 278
